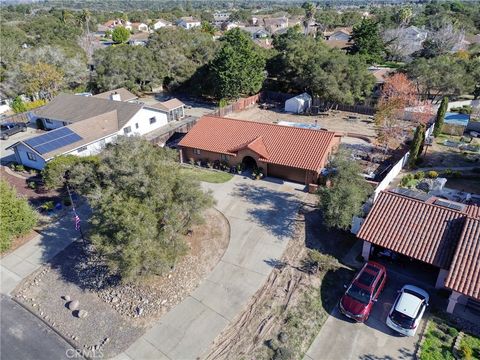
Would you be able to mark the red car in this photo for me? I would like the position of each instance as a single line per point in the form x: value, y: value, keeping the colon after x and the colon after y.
x: 364, y: 290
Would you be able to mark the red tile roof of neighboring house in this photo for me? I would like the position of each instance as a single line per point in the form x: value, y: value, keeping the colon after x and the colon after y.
x: 464, y: 274
x: 284, y: 145
x: 414, y: 228
x: 473, y: 211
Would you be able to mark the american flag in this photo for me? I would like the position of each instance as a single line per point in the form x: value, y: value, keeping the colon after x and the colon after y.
x: 77, y: 222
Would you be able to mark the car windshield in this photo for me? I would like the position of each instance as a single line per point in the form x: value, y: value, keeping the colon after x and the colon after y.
x: 359, y: 294
x: 403, y: 320
x: 4, y: 127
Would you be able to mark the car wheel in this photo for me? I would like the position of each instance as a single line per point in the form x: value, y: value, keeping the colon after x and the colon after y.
x: 5, y: 137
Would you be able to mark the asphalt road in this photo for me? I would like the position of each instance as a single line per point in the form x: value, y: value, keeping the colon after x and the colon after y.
x: 23, y: 336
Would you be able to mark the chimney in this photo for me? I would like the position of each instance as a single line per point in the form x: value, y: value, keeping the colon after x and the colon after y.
x: 115, y: 96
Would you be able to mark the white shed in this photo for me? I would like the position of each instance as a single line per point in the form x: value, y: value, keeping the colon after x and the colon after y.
x: 298, y: 104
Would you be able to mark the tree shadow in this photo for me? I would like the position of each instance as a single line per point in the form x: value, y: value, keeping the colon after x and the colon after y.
x: 405, y: 354
x: 274, y: 210
x: 276, y: 263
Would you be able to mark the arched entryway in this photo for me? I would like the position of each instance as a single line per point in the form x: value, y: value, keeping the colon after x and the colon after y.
x: 249, y: 163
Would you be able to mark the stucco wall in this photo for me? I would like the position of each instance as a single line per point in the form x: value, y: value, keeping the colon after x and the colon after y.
x: 142, y: 118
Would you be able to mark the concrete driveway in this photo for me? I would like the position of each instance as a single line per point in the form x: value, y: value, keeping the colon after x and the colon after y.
x: 8, y: 155
x: 341, y: 338
x: 261, y: 216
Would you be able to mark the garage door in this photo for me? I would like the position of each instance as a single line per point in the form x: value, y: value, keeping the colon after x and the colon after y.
x: 288, y: 173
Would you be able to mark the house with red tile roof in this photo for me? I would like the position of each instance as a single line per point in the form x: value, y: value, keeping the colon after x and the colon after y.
x: 441, y: 233
x: 286, y: 152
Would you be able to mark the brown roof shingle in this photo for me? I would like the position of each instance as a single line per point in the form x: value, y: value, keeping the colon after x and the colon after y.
x: 464, y: 275
x: 288, y: 146
x: 414, y: 228
x: 125, y: 95
x: 168, y: 105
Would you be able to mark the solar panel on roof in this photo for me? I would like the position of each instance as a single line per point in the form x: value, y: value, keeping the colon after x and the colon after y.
x: 450, y: 205
x: 53, y: 140
x: 412, y: 194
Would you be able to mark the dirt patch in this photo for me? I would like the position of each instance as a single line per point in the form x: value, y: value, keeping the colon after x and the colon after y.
x: 19, y: 241
x: 445, y: 153
x: 285, y: 315
x: 118, y: 313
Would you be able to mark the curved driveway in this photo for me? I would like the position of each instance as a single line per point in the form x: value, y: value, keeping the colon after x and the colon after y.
x: 261, y: 216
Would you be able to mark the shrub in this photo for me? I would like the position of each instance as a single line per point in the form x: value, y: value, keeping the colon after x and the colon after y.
x: 432, y: 174
x: 452, y: 332
x: 407, y: 179
x: 32, y: 185
x: 419, y: 175
x: 20, y: 168
x: 16, y: 216
x: 34, y: 104
x: 466, y: 351
x: 448, y: 173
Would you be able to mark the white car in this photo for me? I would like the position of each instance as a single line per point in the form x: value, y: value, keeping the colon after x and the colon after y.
x: 408, y: 309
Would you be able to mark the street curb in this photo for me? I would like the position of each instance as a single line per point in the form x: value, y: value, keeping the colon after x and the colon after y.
x: 78, y: 354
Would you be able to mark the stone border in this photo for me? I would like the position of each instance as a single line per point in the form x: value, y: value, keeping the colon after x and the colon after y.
x: 456, y: 346
x: 418, y: 350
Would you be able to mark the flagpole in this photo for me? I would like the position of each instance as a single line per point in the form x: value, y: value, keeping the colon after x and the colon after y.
x: 76, y: 216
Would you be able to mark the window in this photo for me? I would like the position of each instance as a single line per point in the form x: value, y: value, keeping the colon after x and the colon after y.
x: 48, y: 121
x: 224, y: 157
x: 31, y: 156
x: 136, y: 125
x: 153, y: 120
x: 127, y: 130
x: 196, y: 151
x: 80, y: 149
x: 379, y: 283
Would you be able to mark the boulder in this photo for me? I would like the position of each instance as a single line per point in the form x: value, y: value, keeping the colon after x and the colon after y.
x: 73, y: 305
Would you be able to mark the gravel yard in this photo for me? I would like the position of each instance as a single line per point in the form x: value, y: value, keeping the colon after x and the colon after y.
x: 117, y: 314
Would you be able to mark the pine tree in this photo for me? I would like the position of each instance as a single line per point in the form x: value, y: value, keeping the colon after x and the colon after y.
x: 440, y: 117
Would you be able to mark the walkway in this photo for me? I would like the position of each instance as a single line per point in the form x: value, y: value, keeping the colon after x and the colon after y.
x: 261, y: 216
x: 23, y: 261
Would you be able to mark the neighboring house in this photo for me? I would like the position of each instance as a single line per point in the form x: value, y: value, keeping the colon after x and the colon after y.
x: 120, y: 94
x: 136, y: 26
x: 256, y: 32
x: 338, y: 34
x: 220, y: 18
x: 275, y: 24
x: 189, y: 23
x: 128, y: 25
x: 286, y: 152
x: 81, y: 125
x: 111, y: 24
x: 437, y: 233
x: 415, y: 34
x: 174, y: 108
x: 229, y: 26
x: 160, y: 23
x: 381, y: 73
x: 298, y: 104
x: 254, y: 21
x: 140, y: 38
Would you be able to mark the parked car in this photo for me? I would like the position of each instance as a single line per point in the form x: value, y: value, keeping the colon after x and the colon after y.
x: 9, y: 129
x: 363, y: 292
x: 407, y: 310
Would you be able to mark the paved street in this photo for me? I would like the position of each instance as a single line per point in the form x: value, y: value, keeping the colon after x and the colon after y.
x: 341, y: 338
x: 25, y: 337
x: 261, y: 216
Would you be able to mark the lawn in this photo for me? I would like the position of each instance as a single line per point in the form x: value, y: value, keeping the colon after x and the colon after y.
x: 440, y: 338
x: 206, y: 175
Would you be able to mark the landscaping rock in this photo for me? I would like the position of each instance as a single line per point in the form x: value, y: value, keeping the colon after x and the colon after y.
x: 66, y: 298
x: 82, y: 314
x: 283, y: 337
x: 73, y: 305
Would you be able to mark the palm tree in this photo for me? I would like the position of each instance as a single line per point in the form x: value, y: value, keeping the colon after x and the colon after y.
x: 309, y: 14
x: 66, y: 16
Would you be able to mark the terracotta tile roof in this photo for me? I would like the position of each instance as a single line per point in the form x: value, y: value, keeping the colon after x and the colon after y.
x: 464, y: 275
x: 257, y: 146
x: 288, y: 146
x: 473, y: 211
x: 420, y: 230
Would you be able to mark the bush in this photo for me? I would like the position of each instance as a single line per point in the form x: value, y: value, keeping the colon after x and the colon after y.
x: 19, y: 168
x: 47, y: 206
x: 32, y: 185
x: 407, y: 179
x: 419, y: 175
x: 432, y: 174
x: 466, y: 351
x: 55, y: 170
x: 16, y: 216
x: 452, y: 332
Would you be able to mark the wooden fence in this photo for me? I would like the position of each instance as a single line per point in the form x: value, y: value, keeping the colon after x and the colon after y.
x: 240, y: 104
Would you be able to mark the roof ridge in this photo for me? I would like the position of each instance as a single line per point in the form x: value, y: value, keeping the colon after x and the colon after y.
x: 265, y: 123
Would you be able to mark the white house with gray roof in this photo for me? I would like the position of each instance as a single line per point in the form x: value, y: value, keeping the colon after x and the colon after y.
x: 82, y: 125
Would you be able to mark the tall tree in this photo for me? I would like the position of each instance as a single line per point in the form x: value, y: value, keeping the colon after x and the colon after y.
x: 143, y: 206
x: 310, y: 10
x: 343, y: 200
x: 16, y: 216
x: 367, y: 41
x: 442, y: 110
x: 42, y: 80
x: 239, y: 67
x: 416, y: 146
x: 120, y: 35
